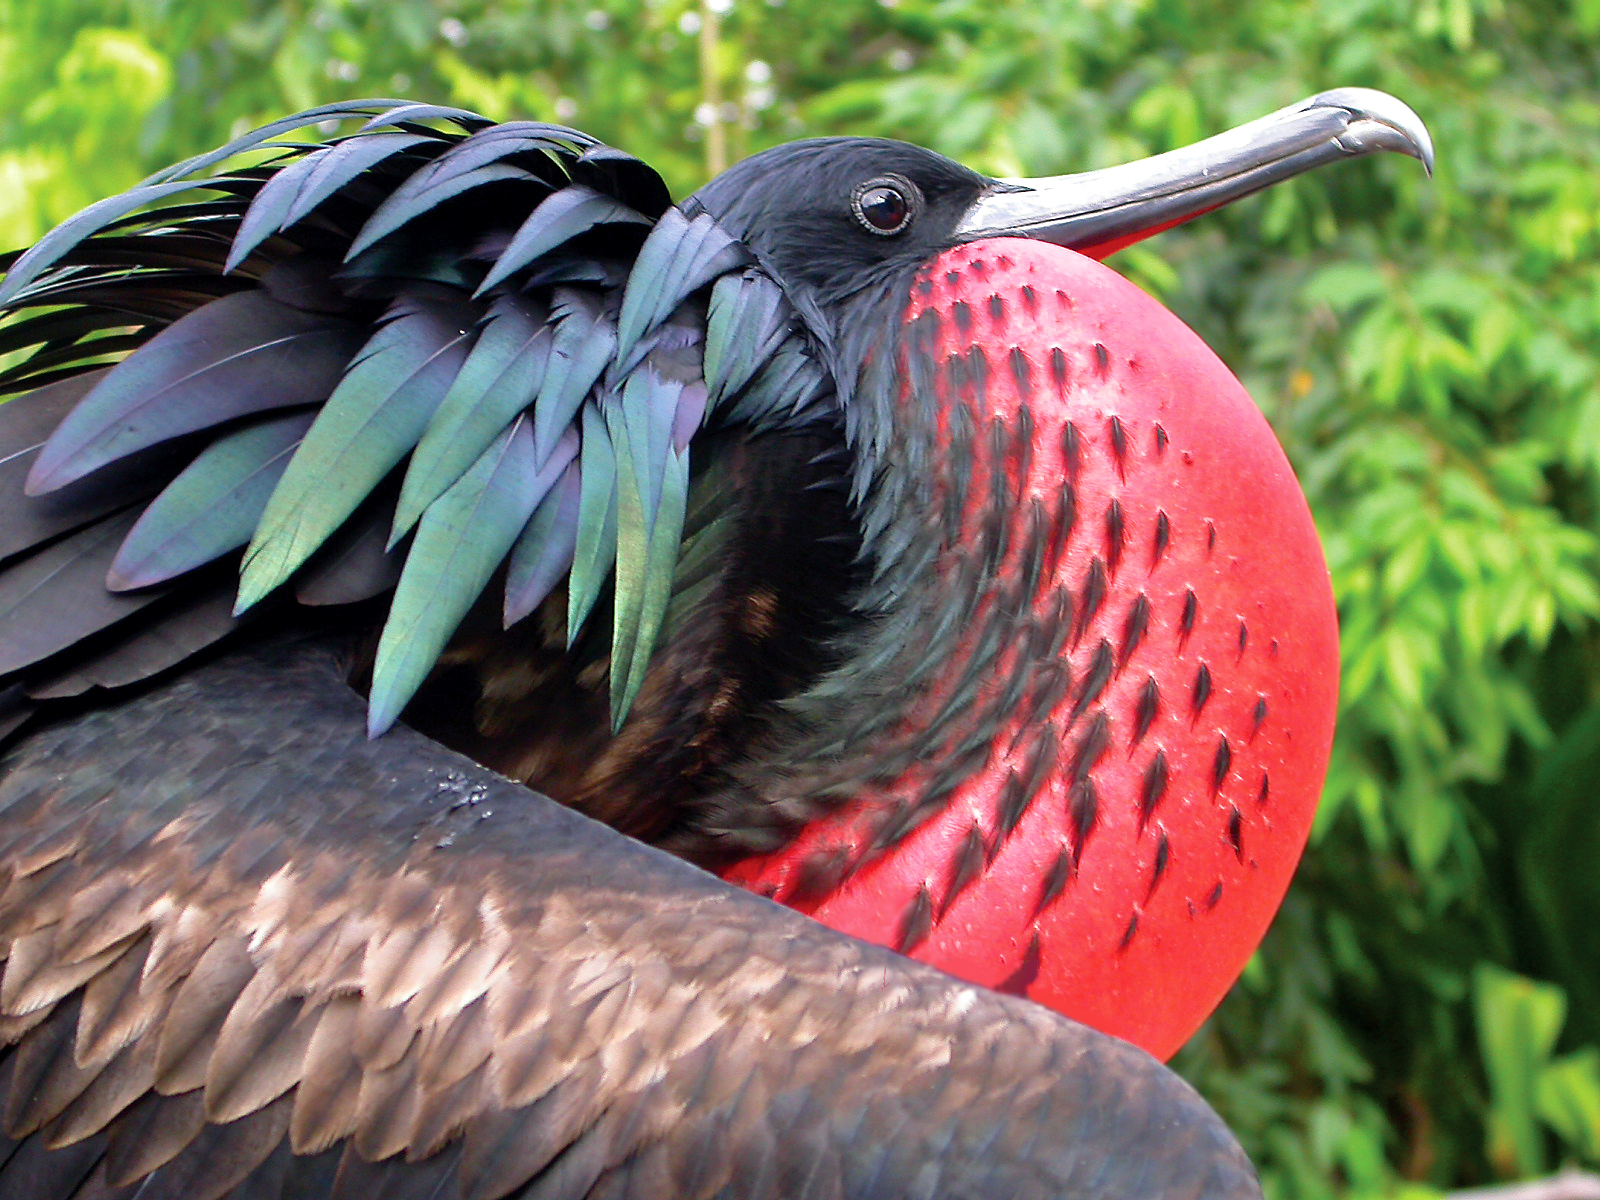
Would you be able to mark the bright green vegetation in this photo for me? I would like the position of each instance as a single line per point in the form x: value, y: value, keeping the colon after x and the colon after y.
x: 1426, y: 1012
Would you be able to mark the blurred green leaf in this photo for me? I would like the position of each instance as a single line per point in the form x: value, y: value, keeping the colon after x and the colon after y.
x: 1568, y: 1098
x: 1518, y: 1023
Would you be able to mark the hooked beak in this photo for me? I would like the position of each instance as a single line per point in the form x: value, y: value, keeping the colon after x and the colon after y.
x: 1098, y: 212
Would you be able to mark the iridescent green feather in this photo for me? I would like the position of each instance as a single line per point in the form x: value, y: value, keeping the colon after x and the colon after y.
x: 678, y: 258
x: 372, y: 420
x: 499, y: 379
x: 461, y: 540
x: 647, y: 553
x: 212, y: 507
x: 747, y: 320
x: 597, y: 522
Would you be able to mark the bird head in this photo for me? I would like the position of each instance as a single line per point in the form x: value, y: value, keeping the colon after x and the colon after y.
x: 828, y: 216
x: 831, y: 216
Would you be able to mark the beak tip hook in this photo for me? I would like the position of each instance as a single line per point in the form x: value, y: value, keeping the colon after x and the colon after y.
x: 1397, y: 125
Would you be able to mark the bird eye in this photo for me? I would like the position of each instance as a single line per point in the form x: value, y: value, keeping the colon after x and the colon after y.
x: 886, y: 206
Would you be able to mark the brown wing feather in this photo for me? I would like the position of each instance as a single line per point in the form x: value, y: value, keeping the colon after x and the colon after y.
x: 234, y: 925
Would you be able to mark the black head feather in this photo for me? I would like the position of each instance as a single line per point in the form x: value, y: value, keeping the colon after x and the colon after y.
x: 796, y: 206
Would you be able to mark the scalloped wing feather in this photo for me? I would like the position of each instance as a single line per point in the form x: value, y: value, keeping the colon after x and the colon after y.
x: 345, y: 965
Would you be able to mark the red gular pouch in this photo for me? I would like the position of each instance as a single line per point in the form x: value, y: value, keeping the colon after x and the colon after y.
x: 1120, y: 844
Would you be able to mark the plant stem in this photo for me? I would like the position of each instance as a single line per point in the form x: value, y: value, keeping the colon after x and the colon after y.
x: 711, y: 91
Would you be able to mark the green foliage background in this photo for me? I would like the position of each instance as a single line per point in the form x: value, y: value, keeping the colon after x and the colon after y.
x: 1426, y: 1011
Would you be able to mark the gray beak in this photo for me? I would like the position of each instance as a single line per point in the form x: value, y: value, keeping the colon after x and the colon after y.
x: 1104, y: 210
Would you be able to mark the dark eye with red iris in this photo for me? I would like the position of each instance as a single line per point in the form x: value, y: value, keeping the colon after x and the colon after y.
x: 884, y: 206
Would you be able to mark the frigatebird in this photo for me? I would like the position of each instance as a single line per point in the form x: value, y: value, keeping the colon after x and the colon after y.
x: 847, y: 529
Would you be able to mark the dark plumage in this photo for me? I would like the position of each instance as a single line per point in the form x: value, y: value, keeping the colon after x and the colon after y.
x: 679, y: 514
x: 364, y: 949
